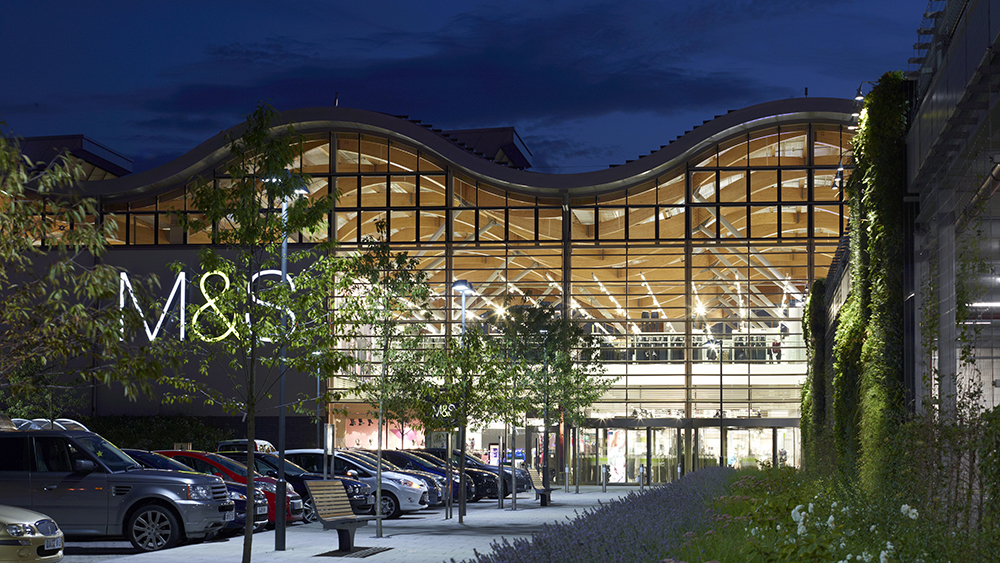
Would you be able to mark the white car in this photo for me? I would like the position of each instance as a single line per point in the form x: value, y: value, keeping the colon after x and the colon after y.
x: 400, y: 493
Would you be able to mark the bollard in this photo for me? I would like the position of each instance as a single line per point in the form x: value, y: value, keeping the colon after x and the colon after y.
x: 642, y: 480
x: 604, y: 478
x: 566, y: 484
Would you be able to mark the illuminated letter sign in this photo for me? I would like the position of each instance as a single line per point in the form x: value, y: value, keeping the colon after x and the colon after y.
x: 210, y: 303
x: 124, y: 286
x: 179, y: 289
x: 291, y: 286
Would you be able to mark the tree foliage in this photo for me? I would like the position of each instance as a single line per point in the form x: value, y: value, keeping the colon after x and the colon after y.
x: 253, y: 328
x: 60, y: 324
x: 538, y: 336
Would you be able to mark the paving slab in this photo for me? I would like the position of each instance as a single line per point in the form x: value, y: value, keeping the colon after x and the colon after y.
x: 420, y: 537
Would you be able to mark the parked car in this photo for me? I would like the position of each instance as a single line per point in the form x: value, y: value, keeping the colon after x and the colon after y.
x: 241, y: 446
x: 436, y: 485
x: 267, y: 464
x: 409, y: 461
x: 237, y: 491
x: 215, y: 464
x: 91, y: 488
x: 523, y: 478
x: 486, y: 482
x: 400, y: 493
x: 26, y: 535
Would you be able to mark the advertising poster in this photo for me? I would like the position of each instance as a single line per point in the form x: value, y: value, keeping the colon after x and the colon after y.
x: 616, y: 455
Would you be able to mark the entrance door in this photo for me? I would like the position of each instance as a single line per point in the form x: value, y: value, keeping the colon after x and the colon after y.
x: 664, y: 454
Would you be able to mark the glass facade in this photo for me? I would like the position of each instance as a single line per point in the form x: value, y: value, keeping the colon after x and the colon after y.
x: 693, y: 271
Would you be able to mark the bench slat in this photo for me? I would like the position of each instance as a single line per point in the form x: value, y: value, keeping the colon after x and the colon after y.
x: 334, y: 511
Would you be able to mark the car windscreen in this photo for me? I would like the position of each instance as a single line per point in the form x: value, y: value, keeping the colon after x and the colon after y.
x: 369, y: 459
x: 158, y: 461
x: 115, y: 459
x: 234, y: 466
x: 290, y: 468
x: 428, y: 458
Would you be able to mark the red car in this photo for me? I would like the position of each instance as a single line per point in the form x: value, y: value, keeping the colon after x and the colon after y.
x: 222, y: 466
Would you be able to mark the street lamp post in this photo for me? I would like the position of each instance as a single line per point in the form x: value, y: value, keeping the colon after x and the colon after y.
x: 282, y: 488
x: 722, y: 430
x: 465, y: 288
x: 545, y: 419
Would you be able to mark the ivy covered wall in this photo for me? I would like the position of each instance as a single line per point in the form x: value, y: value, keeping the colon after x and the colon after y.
x: 866, y: 399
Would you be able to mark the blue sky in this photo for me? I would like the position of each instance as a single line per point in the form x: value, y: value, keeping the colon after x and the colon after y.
x: 586, y: 83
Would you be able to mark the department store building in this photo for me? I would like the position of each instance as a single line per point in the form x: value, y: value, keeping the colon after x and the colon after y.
x: 691, y: 264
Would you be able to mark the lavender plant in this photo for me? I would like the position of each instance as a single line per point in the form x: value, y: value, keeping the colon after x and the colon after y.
x: 641, y: 526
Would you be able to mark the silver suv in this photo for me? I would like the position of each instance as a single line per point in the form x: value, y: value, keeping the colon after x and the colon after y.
x: 91, y: 488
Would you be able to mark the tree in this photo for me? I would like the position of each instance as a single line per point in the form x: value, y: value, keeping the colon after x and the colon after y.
x: 258, y: 325
x: 394, y: 289
x: 467, y: 378
x: 560, y: 365
x: 60, y: 324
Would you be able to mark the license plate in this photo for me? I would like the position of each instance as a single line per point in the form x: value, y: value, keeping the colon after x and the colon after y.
x: 53, y: 543
x: 261, y: 510
x: 227, y: 516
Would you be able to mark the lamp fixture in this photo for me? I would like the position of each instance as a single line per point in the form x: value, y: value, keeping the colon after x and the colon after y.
x: 463, y: 286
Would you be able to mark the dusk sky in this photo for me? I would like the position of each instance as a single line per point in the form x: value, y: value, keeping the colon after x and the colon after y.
x: 586, y: 83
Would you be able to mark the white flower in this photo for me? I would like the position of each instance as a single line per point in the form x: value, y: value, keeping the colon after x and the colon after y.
x: 810, y: 508
x: 913, y: 514
x: 866, y: 556
x: 834, y: 505
x: 888, y: 546
x: 883, y: 557
x: 797, y: 513
x: 829, y: 521
x: 872, y: 529
x: 842, y: 545
x: 778, y: 527
x: 904, y: 509
x: 802, y: 529
x: 849, y: 556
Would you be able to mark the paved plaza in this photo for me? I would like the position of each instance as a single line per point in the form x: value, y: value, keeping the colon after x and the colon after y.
x: 422, y: 537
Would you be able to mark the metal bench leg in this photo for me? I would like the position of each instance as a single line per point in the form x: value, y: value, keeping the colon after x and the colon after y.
x: 346, y: 537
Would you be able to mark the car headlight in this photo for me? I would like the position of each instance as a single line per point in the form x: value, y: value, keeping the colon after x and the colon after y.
x: 18, y: 530
x: 199, y: 492
x: 267, y: 487
x: 236, y: 495
x: 258, y: 494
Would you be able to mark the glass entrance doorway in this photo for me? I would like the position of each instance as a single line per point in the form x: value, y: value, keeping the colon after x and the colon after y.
x: 627, y: 451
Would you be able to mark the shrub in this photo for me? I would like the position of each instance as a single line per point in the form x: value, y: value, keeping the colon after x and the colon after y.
x: 642, y: 526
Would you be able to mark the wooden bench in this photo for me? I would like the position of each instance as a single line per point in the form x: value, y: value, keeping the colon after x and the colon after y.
x: 540, y: 491
x: 333, y: 509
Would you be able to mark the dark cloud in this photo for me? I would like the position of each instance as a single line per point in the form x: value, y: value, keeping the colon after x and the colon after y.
x: 273, y: 51
x: 593, y: 82
x: 550, y: 152
x: 182, y: 123
x: 494, y: 67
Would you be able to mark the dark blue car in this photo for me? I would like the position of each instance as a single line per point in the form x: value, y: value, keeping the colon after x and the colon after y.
x: 407, y: 460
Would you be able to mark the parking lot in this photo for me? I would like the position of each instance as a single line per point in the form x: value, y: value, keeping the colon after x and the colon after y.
x: 420, y: 537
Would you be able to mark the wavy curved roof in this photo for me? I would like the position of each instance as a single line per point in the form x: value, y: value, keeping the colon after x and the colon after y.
x: 207, y: 156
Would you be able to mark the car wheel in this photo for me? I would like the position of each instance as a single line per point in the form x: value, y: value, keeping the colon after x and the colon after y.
x: 308, y: 510
x: 390, y: 506
x: 153, y: 527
